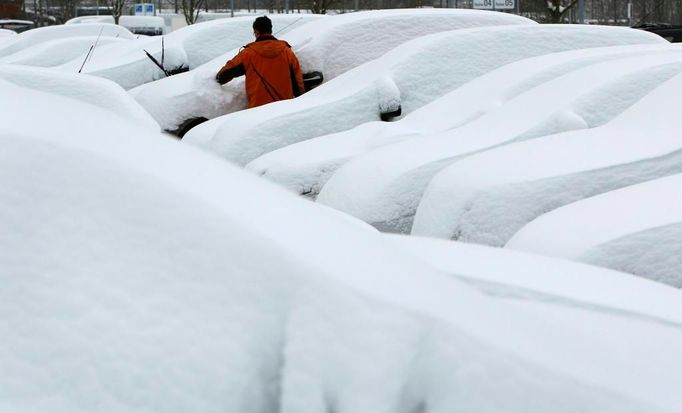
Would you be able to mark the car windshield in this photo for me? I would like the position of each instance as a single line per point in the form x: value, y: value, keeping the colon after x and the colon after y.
x: 16, y: 25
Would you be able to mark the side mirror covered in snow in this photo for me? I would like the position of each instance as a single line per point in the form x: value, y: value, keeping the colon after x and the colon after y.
x: 388, y: 95
x: 388, y: 116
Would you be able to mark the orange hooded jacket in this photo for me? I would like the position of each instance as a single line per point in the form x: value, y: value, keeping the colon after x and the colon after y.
x: 271, y: 68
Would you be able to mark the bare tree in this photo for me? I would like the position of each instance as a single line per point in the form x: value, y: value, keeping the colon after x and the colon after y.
x: 321, y: 6
x: 191, y: 10
x: 557, y: 9
x: 116, y: 7
x: 68, y: 8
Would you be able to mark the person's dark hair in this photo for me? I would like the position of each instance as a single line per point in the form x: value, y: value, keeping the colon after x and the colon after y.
x: 262, y: 25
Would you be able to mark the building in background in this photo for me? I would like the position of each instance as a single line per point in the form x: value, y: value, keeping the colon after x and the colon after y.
x: 11, y: 9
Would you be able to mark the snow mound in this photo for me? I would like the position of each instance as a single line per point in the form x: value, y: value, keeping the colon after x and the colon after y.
x: 332, y: 46
x: 43, y: 34
x: 137, y: 286
x: 580, y: 99
x: 305, y: 167
x: 636, y: 229
x: 509, y: 189
x: 419, y: 71
x: 189, y: 47
x: 91, y: 90
x: 56, y: 52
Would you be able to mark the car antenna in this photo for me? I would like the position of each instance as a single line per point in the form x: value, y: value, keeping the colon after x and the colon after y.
x: 294, y: 22
x: 92, y: 48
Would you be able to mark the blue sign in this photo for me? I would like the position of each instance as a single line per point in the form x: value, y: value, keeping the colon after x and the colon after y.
x: 144, y: 9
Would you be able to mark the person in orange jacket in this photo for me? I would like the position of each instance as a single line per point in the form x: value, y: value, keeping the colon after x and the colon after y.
x: 272, y: 70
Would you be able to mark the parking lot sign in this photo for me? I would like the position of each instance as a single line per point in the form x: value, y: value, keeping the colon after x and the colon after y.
x: 483, y: 4
x: 494, y: 4
x: 505, y: 4
x: 144, y: 9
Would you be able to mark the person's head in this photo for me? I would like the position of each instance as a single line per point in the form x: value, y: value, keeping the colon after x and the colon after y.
x: 262, y: 25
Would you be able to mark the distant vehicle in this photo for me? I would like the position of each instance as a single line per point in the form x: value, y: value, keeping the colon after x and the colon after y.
x: 671, y: 33
x: 143, y: 25
x: 16, y: 25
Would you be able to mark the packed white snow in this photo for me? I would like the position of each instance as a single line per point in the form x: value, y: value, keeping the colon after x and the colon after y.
x: 305, y: 167
x: 580, y: 99
x: 330, y: 46
x: 636, y: 229
x: 487, y: 197
x: 503, y: 272
x: 189, y: 47
x: 406, y: 78
x: 143, y: 275
x: 56, y: 52
x: 43, y: 34
x: 101, y: 93
x: 6, y: 35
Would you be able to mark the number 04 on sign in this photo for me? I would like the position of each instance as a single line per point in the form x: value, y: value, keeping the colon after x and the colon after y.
x: 495, y: 4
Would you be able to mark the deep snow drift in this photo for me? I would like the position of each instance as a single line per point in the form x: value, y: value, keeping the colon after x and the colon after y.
x: 144, y: 275
x: 306, y: 166
x: 406, y: 78
x: 189, y: 47
x: 584, y: 98
x: 487, y: 197
x: 330, y: 46
x: 637, y: 229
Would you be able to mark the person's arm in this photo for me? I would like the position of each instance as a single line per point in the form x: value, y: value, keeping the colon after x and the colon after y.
x: 233, y: 68
x: 296, y: 74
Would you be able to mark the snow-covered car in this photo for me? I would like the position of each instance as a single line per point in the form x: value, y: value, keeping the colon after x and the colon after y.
x: 305, y: 167
x: 636, y: 229
x: 669, y: 32
x: 489, y: 269
x: 583, y: 98
x: 5, y: 35
x: 398, y: 83
x: 487, y: 197
x: 144, y: 25
x: 59, y: 51
x: 100, y: 93
x: 44, y: 34
x: 179, y: 51
x: 129, y: 284
x: 325, y: 49
x: 16, y: 26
